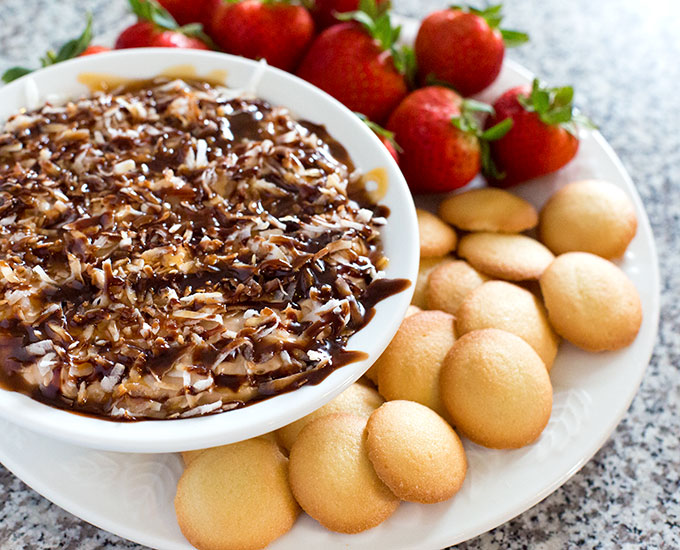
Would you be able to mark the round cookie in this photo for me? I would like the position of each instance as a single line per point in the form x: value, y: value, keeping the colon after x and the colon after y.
x: 488, y: 209
x: 588, y: 216
x: 496, y: 389
x: 436, y: 238
x: 333, y: 479
x: 358, y: 399
x: 591, y: 302
x: 449, y: 284
x: 427, y: 265
x: 501, y: 305
x: 372, y: 373
x: 189, y: 456
x: 415, y: 452
x: 236, y: 497
x: 511, y: 257
x: 409, y: 367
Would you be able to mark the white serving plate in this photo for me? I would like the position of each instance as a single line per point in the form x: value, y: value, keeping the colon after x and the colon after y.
x: 131, y: 494
x: 400, y: 240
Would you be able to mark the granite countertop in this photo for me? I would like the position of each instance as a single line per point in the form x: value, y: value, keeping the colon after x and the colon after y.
x: 622, y: 57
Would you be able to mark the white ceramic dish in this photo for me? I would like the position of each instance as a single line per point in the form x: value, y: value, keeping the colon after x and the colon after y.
x: 592, y: 394
x: 305, y: 102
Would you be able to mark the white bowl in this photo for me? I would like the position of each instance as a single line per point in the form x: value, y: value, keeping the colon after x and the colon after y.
x: 400, y: 238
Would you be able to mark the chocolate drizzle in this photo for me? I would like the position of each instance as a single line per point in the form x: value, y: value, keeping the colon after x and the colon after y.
x: 170, y: 250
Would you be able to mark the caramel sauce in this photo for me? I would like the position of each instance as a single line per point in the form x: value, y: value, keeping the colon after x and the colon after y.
x: 376, y: 183
x: 105, y: 82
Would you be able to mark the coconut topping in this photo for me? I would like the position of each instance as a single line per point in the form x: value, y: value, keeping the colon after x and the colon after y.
x: 172, y: 249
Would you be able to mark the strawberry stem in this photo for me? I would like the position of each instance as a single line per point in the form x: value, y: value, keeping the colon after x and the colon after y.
x: 151, y: 10
x: 468, y: 122
x: 554, y: 106
x: 376, y: 20
x: 493, y: 15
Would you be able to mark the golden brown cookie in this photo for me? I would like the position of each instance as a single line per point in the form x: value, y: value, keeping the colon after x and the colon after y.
x: 588, y: 216
x: 427, y: 265
x: 591, y: 302
x: 497, y: 304
x: 511, y: 257
x: 415, y: 452
x: 409, y: 367
x: 436, y: 238
x: 449, y: 284
x: 333, y: 479
x: 358, y: 399
x: 189, y: 456
x: 496, y: 389
x: 488, y: 209
x: 236, y: 497
x: 372, y: 373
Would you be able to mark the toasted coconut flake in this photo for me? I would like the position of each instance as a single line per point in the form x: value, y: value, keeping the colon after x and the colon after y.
x: 181, y: 245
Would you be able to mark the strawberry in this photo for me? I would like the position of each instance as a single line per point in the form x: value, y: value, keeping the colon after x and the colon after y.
x: 191, y: 11
x: 276, y: 31
x: 385, y: 136
x: 463, y: 47
x: 324, y: 11
x: 543, y: 137
x: 94, y: 49
x: 358, y: 63
x: 73, y: 48
x: 443, y: 146
x: 157, y: 28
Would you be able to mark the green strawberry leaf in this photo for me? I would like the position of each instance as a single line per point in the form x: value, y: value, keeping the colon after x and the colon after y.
x: 497, y: 131
x: 554, y: 106
x: 404, y: 59
x: 72, y: 48
x: 376, y: 21
x: 195, y: 30
x: 473, y: 105
x: 493, y: 15
x: 469, y: 123
x: 15, y: 72
x: 489, y: 168
x: 512, y: 39
x: 69, y: 50
x: 150, y: 10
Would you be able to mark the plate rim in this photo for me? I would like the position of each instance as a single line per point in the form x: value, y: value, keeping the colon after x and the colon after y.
x: 497, y: 520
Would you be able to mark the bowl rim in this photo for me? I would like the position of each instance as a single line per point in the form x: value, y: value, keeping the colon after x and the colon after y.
x: 303, y: 99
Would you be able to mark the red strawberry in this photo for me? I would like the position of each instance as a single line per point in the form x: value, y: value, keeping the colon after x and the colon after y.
x: 443, y: 148
x: 543, y: 136
x: 463, y: 47
x: 157, y: 28
x: 73, y: 48
x: 147, y: 35
x: 276, y: 31
x: 191, y: 11
x: 91, y: 50
x: 324, y: 11
x: 384, y: 135
x: 359, y: 64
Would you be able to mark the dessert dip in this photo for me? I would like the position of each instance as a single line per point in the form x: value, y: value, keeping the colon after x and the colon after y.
x: 173, y: 248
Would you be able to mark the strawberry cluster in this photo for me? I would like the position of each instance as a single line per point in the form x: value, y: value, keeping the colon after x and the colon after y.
x: 350, y: 49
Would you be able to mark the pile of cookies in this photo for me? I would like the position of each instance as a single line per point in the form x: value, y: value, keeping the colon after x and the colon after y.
x: 474, y: 353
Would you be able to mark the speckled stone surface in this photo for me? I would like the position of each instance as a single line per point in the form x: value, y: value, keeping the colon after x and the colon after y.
x: 622, y: 57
